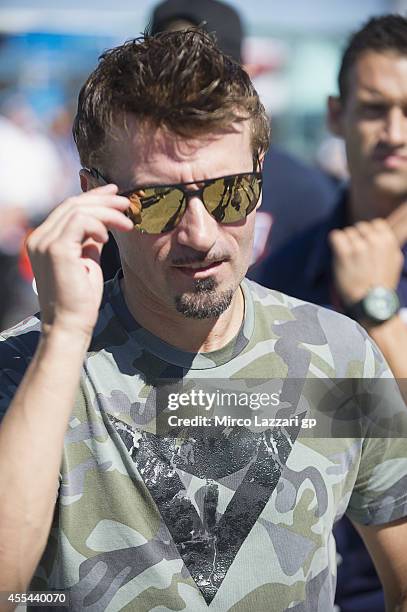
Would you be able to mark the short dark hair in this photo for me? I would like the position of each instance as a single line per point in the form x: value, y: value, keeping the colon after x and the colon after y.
x: 384, y: 33
x: 178, y: 80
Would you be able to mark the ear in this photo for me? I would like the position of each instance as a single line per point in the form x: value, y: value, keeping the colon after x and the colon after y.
x: 335, y: 115
x: 258, y: 161
x: 87, y: 180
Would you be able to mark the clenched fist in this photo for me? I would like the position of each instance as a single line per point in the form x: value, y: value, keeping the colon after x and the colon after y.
x: 364, y: 256
x: 65, y: 254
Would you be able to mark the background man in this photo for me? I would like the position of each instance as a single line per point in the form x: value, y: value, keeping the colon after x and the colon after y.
x: 362, y: 244
x: 190, y: 519
x: 355, y: 260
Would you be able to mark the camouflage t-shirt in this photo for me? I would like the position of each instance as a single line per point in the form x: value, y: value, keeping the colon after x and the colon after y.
x: 236, y: 520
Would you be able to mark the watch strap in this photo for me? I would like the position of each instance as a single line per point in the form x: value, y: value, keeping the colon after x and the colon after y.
x: 356, y: 311
x: 359, y: 311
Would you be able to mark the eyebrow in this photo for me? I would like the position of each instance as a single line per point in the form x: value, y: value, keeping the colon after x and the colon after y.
x: 368, y: 91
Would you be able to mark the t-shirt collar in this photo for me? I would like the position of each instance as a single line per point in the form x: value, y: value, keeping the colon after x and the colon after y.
x: 171, y: 354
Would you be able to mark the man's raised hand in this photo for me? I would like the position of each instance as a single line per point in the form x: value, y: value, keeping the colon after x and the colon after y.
x: 65, y: 256
x: 365, y: 255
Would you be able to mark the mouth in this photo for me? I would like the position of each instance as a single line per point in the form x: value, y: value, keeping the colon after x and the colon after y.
x: 391, y: 160
x: 200, y: 270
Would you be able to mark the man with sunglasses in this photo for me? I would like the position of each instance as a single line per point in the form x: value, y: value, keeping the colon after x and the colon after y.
x: 102, y: 497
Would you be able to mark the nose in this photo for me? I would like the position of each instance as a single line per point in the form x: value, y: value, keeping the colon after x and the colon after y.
x: 197, y: 228
x: 396, y: 127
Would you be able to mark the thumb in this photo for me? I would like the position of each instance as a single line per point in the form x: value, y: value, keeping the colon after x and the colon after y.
x: 93, y: 251
x: 110, y: 188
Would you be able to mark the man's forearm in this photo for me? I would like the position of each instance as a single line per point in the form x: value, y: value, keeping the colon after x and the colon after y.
x: 31, y: 442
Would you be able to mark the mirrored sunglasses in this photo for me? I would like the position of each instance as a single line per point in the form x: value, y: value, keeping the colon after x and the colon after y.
x: 159, y: 208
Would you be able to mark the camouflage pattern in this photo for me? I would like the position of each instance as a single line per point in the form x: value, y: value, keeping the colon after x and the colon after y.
x: 239, y: 521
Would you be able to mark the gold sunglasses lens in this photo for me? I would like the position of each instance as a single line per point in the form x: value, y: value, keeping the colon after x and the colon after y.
x: 156, y: 209
x: 231, y: 199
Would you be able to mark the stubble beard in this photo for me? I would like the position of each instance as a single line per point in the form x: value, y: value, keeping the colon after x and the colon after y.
x: 204, y: 302
x: 394, y: 187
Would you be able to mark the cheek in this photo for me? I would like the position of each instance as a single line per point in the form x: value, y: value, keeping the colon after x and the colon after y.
x: 144, y: 249
x: 243, y: 241
x: 357, y: 144
x: 159, y: 248
x: 365, y: 135
x: 360, y: 136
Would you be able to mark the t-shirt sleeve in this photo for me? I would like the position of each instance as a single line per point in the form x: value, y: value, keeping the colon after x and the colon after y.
x: 380, y: 492
x: 16, y: 351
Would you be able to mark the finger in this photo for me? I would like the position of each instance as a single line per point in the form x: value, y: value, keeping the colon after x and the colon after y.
x: 80, y: 202
x: 70, y: 243
x: 356, y: 241
x: 83, y: 201
x: 92, y: 250
x: 380, y: 226
x: 110, y: 217
x: 374, y: 235
x: 365, y: 229
x: 62, y: 254
x: 377, y: 233
x: 78, y: 223
x: 104, y: 194
x: 339, y: 242
x: 109, y: 188
x: 77, y: 229
x: 93, y: 199
x: 386, y: 237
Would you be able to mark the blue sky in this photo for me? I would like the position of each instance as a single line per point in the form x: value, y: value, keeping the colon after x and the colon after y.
x: 124, y: 16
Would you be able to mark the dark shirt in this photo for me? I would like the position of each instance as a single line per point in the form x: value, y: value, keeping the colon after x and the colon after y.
x: 302, y: 267
x: 110, y: 259
x: 295, y: 197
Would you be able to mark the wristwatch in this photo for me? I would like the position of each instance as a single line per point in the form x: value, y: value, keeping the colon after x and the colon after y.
x: 379, y: 305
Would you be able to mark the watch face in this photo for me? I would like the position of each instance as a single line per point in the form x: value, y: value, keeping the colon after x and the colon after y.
x: 381, y: 304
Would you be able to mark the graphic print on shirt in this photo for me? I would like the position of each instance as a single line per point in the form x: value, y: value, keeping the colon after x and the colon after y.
x: 209, y: 489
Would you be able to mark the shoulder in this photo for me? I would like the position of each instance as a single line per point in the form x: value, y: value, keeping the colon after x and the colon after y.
x: 325, y: 332
x: 302, y: 311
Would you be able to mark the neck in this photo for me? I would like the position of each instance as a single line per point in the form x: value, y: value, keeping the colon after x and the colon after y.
x: 367, y: 202
x: 192, y: 335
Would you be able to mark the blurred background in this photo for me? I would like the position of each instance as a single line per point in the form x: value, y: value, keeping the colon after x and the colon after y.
x: 48, y: 48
